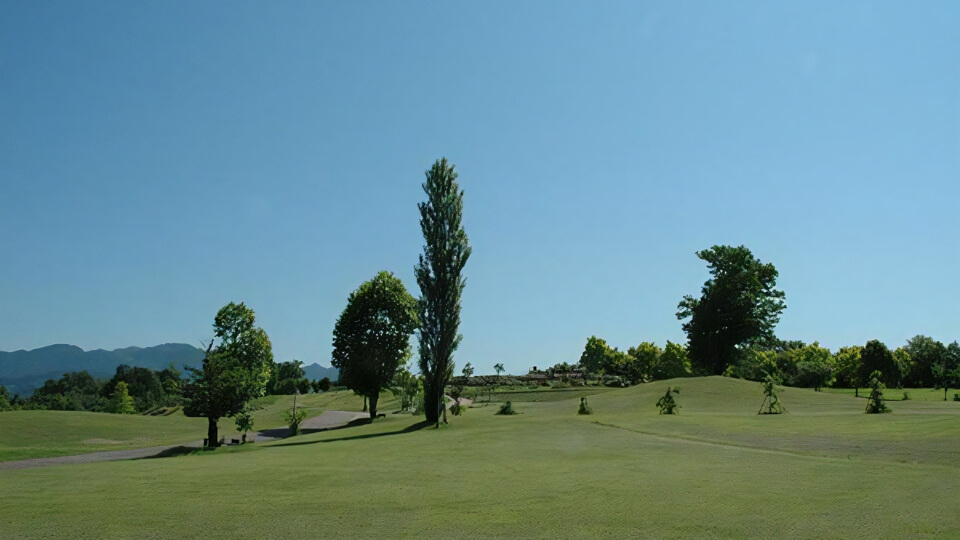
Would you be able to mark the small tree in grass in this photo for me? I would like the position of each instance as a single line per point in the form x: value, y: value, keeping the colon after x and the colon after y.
x: 506, y: 408
x: 875, y: 403
x: 584, y: 407
x: 944, y: 376
x: 121, y: 402
x: 667, y: 404
x: 771, y: 400
x: 293, y: 418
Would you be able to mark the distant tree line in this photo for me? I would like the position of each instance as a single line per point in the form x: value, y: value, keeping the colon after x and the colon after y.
x: 147, y: 389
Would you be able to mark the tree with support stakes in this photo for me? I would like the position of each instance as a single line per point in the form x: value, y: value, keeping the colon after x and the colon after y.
x: 371, y: 339
x: 771, y: 399
x: 667, y: 404
x: 440, y: 276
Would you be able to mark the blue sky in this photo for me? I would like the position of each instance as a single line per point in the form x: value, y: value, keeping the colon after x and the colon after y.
x: 160, y: 159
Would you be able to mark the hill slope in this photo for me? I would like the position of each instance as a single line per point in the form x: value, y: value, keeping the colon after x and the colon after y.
x: 22, y: 371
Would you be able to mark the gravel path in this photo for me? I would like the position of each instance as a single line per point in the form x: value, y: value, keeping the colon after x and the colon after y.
x: 323, y: 421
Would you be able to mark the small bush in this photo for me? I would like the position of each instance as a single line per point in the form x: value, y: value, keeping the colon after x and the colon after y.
x: 584, y: 408
x: 456, y: 409
x: 506, y: 408
x: 906, y: 396
x: 956, y: 397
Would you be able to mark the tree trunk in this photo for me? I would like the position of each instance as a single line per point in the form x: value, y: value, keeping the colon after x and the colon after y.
x: 856, y: 392
x: 430, y: 407
x: 944, y: 392
x: 364, y: 404
x: 213, y: 440
x: 374, y: 398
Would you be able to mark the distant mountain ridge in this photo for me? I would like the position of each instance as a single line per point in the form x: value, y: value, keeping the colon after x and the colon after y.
x: 22, y: 371
x: 317, y: 372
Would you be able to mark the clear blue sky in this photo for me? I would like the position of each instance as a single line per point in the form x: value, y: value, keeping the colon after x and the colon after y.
x: 160, y: 159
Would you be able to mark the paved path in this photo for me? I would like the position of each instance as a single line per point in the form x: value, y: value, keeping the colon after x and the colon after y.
x: 323, y: 421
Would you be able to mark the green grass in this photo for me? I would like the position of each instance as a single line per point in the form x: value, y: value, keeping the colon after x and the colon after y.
x: 34, y: 434
x: 896, y: 394
x: 717, y: 470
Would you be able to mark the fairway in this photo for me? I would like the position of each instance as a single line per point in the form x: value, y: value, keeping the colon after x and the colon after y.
x: 718, y: 470
x: 35, y: 434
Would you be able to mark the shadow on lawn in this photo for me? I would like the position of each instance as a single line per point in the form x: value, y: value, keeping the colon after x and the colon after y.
x: 409, y: 429
x: 175, y: 451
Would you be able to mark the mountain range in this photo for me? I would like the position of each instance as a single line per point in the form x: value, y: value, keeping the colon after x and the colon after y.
x: 22, y: 371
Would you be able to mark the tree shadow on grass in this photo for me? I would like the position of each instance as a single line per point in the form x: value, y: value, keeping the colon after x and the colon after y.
x: 176, y: 451
x: 409, y: 429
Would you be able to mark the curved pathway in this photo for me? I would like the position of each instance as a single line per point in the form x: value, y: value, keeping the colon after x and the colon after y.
x: 321, y: 422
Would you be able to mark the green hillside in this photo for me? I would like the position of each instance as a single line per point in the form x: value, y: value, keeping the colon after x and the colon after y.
x: 718, y: 470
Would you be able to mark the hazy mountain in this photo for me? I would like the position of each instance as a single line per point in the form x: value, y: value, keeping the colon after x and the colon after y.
x: 317, y: 372
x: 22, y: 371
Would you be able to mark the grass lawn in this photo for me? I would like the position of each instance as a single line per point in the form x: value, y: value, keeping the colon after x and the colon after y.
x: 33, y: 434
x: 896, y: 394
x: 717, y: 470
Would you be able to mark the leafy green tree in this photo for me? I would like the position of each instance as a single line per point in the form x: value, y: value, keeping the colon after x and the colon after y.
x: 371, y: 339
x: 673, y: 363
x: 320, y: 385
x: 5, y: 399
x: 499, y: 369
x: 244, y: 422
x: 737, y: 307
x: 144, y: 385
x: 439, y: 275
x: 847, y: 371
x: 645, y: 359
x: 408, y: 385
x: 876, y: 357
x: 120, y: 400
x: 815, y: 366
x: 235, y: 370
x: 595, y: 356
x: 945, y: 375
x: 288, y: 378
x: 925, y: 352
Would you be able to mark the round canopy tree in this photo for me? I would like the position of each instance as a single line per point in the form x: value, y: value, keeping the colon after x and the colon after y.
x: 234, y: 371
x: 738, y: 306
x: 371, y: 339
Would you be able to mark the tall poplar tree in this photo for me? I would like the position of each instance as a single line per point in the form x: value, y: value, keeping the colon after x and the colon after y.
x: 439, y: 274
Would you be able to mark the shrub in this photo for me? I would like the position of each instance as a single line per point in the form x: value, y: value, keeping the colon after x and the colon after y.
x: 506, y: 408
x: 456, y: 409
x: 584, y: 408
x: 667, y: 404
x: 956, y: 397
x: 293, y: 419
x: 906, y: 396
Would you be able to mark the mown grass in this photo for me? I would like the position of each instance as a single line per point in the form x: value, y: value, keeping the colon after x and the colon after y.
x: 717, y: 470
x: 896, y: 394
x: 33, y: 434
